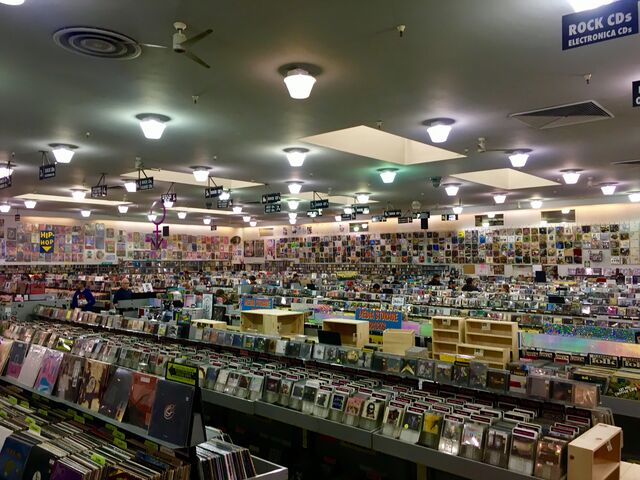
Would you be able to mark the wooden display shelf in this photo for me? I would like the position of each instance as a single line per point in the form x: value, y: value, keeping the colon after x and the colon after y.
x: 496, y: 357
x: 273, y: 322
x: 352, y: 332
x: 493, y: 333
x: 397, y: 341
x: 595, y: 455
x: 447, y: 333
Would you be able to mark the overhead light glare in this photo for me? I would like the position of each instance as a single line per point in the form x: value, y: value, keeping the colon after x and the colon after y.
x: 246, y: 219
x: 499, y: 198
x: 30, y: 204
x: 337, y: 218
x: 225, y: 195
x: 206, y: 220
x: 582, y: 5
x: 518, y: 158
x: 388, y: 175
x: 362, y: 197
x: 571, y: 177
x: 182, y: 215
x: 566, y: 211
x: 299, y: 83
x: 5, y: 207
x: 608, y: 189
x: 295, y: 187
x: 491, y: 215
x: 153, y: 125
x: 13, y: 3
x: 201, y: 174
x: 293, y: 204
x: 85, y: 213
x: 296, y: 156
x: 130, y: 186
x: 6, y: 171
x: 293, y: 215
x: 237, y: 209
x: 123, y: 208
x: 63, y: 153
x: 293, y: 221
x: 253, y: 223
x: 168, y: 203
x: 536, y: 203
x: 152, y: 217
x: 634, y: 197
x: 457, y: 210
x: 439, y: 129
x: 452, y: 189
x: 78, y: 193
x: 348, y: 210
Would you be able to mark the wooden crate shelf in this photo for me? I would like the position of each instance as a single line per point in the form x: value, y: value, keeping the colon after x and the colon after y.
x: 397, y: 341
x: 352, y: 332
x: 496, y: 357
x: 272, y: 322
x: 447, y: 333
x: 493, y: 333
x: 595, y: 455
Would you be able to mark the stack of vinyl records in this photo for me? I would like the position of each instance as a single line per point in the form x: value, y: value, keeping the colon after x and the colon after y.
x: 218, y: 460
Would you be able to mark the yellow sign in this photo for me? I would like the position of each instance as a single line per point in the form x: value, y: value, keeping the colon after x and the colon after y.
x: 47, y: 239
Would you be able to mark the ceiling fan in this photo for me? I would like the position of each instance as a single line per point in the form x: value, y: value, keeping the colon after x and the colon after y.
x: 180, y: 42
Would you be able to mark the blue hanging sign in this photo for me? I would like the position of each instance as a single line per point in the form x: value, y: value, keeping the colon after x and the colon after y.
x: 253, y: 303
x: 618, y: 19
x: 380, y: 319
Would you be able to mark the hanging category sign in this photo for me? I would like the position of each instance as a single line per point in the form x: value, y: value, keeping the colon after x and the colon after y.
x: 271, y: 197
x: 47, y: 171
x: 635, y: 89
x: 213, y: 192
x: 47, y: 239
x: 392, y: 213
x: 99, y: 191
x: 618, y: 19
x: 144, y: 183
x: 5, y: 182
x: 319, y: 204
x: 273, y: 208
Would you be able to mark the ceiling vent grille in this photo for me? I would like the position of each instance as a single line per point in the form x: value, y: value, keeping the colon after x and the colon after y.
x: 97, y: 42
x: 563, y: 115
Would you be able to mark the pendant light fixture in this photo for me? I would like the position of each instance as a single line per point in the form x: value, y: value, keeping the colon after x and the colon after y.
x: 608, y: 188
x: 4, y: 208
x: 518, y: 158
x: 634, y: 197
x: 167, y: 203
x: 294, y: 187
x: 388, y: 175
x: 293, y: 215
x: 293, y: 204
x: 225, y: 195
x: 152, y: 217
x: 452, y: 189
x: 153, y: 125
x: 566, y: 211
x: 338, y: 218
x: 500, y: 198
x: 130, y: 186
x: 6, y: 170
x: 457, y: 209
x: 30, y: 204
x: 491, y: 215
x: 571, y: 176
x: 299, y: 83
x: 123, y: 208
x: 348, y: 210
x: 362, y: 197
x: 63, y: 152
x: 439, y: 129
x: 293, y: 221
x: 85, y: 213
x: 182, y: 215
x: 13, y: 3
x: 253, y: 223
x: 536, y: 203
x: 206, y: 220
x: 201, y: 174
x: 78, y: 193
x: 237, y: 209
x: 296, y: 156
x: 246, y: 219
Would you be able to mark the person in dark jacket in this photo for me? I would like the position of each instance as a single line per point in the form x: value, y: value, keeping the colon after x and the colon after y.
x: 83, y: 298
x: 469, y: 286
x: 123, y: 293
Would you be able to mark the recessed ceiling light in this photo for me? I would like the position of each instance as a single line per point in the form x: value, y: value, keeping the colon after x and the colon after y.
x: 130, y: 186
x: 225, y: 195
x: 608, y: 188
x: 78, y: 193
x: 337, y: 218
x: 293, y: 204
x: 294, y: 187
x: 152, y: 217
x: 299, y: 83
x: 206, y: 220
x: 152, y: 125
x: 85, y: 213
x: 565, y: 211
x: 123, y: 208
x: 634, y: 197
x: 499, y: 198
x: 582, y: 5
x: 491, y: 215
x: 13, y: 3
x: 292, y: 221
x: 237, y: 209
x: 518, y: 158
x: 62, y: 152
x: 6, y: 170
x: 536, y: 203
x: 439, y: 129
x: 201, y: 174
x: 253, y: 223
x: 30, y: 204
x: 388, y: 175
x: 246, y: 219
x: 5, y: 207
x: 296, y: 156
x: 457, y: 210
x: 182, y: 215
x: 348, y: 210
x: 362, y: 197
x: 571, y: 176
x: 452, y: 189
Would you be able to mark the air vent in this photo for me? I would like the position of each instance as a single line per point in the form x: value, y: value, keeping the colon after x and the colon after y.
x: 563, y: 115
x: 97, y: 42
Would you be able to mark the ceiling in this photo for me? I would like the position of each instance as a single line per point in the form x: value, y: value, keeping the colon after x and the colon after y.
x: 475, y: 62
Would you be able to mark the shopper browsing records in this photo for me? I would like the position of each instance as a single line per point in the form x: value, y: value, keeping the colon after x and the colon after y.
x: 375, y: 288
x: 83, y: 298
x: 435, y: 281
x: 452, y: 285
x: 123, y: 293
x: 470, y: 286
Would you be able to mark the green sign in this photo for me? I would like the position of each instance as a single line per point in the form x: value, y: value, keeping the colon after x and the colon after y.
x: 187, y: 374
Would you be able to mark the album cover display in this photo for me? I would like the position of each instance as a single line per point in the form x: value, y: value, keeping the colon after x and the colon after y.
x: 497, y: 380
x: 472, y: 443
x: 141, y: 396
x: 523, y: 451
x: 14, y: 456
x: 461, y: 372
x: 431, y: 428
x: 5, y: 350
x: 444, y: 372
x: 94, y: 381
x: 551, y: 458
x: 496, y: 451
x: 539, y: 387
x: 425, y: 368
x: 586, y: 395
x: 69, y: 378
x: 16, y: 359
x: 172, y: 411
x: 31, y: 366
x: 562, y: 390
x: 478, y: 372
x: 49, y: 371
x: 411, y: 426
x: 392, y: 420
x: 371, y: 409
x: 451, y: 435
x: 116, y: 396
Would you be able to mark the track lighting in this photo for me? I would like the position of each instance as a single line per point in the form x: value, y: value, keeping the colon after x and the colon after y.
x: 388, y: 175
x: 296, y: 156
x: 299, y: 83
x: 152, y: 125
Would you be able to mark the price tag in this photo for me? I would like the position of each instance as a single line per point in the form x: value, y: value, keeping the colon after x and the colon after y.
x: 24, y: 403
x: 120, y: 443
x: 43, y: 412
x: 71, y: 412
x: 478, y: 352
x: 87, y: 416
x: 35, y: 428
x: 30, y: 421
x: 154, y: 447
x: 486, y: 326
x: 79, y: 419
x: 446, y: 322
x: 99, y: 459
x: 3, y: 414
x: 111, y: 428
x: 119, y: 435
x: 12, y: 400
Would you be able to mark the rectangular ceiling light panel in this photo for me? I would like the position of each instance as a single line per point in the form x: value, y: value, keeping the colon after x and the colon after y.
x: 169, y: 176
x: 373, y: 143
x: 505, y: 179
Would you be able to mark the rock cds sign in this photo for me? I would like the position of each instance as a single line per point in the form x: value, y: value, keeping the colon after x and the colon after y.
x: 608, y: 22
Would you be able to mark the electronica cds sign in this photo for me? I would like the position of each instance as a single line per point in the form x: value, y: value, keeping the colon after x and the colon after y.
x: 618, y: 19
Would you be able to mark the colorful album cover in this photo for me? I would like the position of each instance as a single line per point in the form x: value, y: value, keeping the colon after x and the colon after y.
x: 94, y: 382
x: 141, y: 396
x: 16, y: 359
x: 49, y: 371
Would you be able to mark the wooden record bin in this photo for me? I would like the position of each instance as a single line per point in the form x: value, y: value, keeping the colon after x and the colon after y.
x: 595, y: 455
x: 493, y: 333
x: 272, y: 322
x: 447, y: 333
x: 352, y: 332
